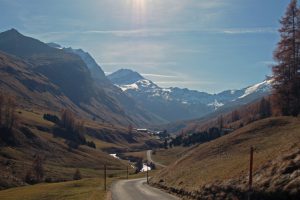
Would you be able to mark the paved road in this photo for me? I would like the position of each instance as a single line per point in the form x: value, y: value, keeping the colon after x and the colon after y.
x: 138, y: 189
x: 149, y: 158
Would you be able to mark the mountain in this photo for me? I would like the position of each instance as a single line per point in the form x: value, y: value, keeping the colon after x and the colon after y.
x: 96, y: 72
x: 125, y: 77
x: 175, y: 103
x: 71, y: 77
x: 129, y: 105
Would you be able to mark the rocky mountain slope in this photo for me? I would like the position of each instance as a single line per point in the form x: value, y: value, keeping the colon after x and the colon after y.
x: 175, y: 103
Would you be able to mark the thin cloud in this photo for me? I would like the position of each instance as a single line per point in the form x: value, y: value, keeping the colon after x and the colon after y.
x: 165, y: 31
x: 180, y: 82
x: 159, y: 75
x: 138, y: 63
x: 249, y: 30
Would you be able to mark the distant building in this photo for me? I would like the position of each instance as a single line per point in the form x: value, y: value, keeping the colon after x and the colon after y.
x: 142, y: 130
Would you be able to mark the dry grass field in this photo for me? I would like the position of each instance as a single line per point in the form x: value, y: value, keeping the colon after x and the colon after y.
x: 168, y: 156
x: 228, y: 156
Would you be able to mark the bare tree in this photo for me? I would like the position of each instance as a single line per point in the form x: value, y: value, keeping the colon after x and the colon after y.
x: 265, y: 108
x: 68, y: 119
x: 77, y: 175
x: 10, y: 116
x: 38, y: 168
x: 221, y: 122
x: 287, y: 70
x: 1, y: 107
x: 235, y: 116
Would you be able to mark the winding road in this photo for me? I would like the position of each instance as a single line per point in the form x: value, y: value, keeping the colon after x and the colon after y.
x: 149, y: 158
x: 138, y: 189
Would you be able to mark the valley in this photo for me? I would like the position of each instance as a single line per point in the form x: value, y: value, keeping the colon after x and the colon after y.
x: 40, y: 93
x: 136, y: 99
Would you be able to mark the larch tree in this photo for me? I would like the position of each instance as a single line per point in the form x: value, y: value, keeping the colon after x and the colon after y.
x: 286, y: 83
x: 265, y: 108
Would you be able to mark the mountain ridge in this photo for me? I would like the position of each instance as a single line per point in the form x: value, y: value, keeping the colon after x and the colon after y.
x: 71, y: 75
x: 191, y: 103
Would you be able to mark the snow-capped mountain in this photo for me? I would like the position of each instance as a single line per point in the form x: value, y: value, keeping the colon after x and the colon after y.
x: 128, y: 106
x: 180, y: 104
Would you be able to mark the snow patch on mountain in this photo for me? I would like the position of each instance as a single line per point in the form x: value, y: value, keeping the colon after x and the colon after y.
x: 260, y: 87
x: 216, y: 104
x: 190, y: 103
x: 124, y: 88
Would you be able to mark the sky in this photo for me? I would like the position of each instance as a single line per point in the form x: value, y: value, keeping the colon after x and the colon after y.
x: 206, y: 45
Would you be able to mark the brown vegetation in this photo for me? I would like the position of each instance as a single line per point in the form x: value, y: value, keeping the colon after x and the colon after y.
x: 287, y: 72
x: 7, y: 112
x: 219, y: 169
x: 36, y: 173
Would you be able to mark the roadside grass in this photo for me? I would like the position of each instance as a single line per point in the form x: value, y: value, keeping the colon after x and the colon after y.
x: 85, y: 189
x: 72, y: 190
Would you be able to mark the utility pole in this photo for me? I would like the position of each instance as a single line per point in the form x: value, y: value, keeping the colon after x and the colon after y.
x: 104, y: 177
x: 250, y: 172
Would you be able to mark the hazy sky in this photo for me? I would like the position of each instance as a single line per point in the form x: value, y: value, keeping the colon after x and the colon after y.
x: 208, y: 45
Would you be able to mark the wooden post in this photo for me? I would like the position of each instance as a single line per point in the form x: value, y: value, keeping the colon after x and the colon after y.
x: 127, y: 172
x: 250, y: 172
x: 105, y: 177
x: 147, y: 175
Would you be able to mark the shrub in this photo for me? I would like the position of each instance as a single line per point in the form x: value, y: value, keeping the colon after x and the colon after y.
x: 51, y: 118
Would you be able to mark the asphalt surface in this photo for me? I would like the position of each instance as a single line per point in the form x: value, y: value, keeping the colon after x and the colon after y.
x: 138, y: 189
x: 149, y: 158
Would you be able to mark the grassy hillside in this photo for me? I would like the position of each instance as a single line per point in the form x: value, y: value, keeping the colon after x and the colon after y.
x: 168, y: 156
x: 34, y: 137
x: 227, y: 158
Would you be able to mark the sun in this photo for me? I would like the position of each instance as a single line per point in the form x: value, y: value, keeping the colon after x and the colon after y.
x: 138, y: 9
x: 139, y: 5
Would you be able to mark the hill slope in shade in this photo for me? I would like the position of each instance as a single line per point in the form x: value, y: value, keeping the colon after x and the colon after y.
x: 70, y: 75
x: 219, y: 169
x: 175, y: 104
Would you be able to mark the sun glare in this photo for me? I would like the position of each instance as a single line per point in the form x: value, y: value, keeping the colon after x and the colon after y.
x: 138, y: 9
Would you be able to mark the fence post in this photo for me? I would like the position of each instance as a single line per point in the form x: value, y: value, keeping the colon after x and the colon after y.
x: 147, y: 175
x: 105, y: 177
x: 250, y: 172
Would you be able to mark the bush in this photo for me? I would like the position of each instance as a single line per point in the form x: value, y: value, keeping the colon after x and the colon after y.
x: 51, y: 118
